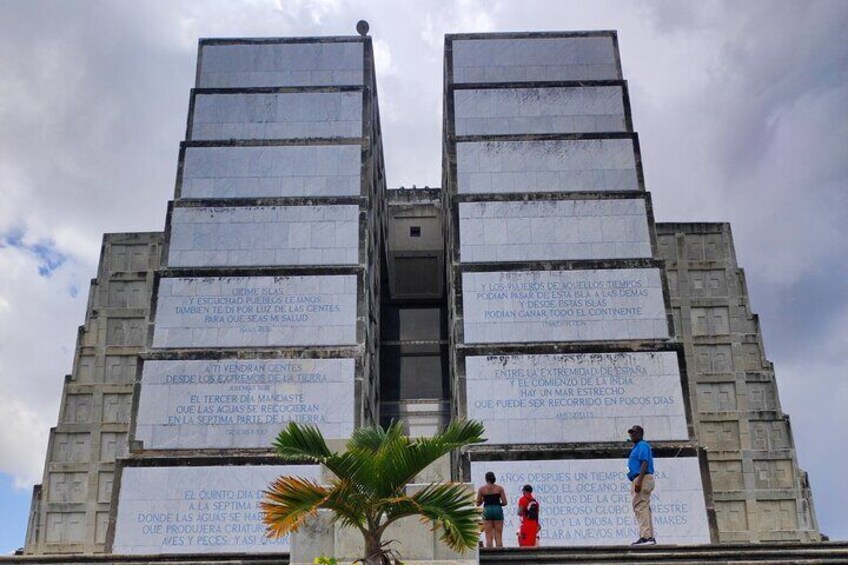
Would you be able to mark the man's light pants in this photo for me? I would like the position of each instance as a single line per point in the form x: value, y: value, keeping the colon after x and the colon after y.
x: 642, y: 506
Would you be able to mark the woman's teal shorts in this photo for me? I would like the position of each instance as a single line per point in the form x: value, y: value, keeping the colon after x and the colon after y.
x: 493, y: 512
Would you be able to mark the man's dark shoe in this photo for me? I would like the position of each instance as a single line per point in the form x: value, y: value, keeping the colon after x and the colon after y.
x: 645, y: 541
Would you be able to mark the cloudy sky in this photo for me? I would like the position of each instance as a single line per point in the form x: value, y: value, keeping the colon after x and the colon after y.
x: 740, y: 107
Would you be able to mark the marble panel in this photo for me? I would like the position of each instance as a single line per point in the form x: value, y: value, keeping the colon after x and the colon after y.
x: 576, y: 398
x: 267, y: 172
x: 587, y: 501
x: 576, y: 165
x: 277, y: 116
x: 280, y: 64
x: 534, y: 59
x: 539, y: 110
x: 256, y: 311
x: 579, y: 305
x: 242, y: 403
x: 249, y: 236
x: 553, y: 230
x: 197, y: 509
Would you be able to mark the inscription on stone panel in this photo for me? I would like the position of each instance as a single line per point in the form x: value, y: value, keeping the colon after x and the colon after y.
x: 242, y: 172
x: 289, y: 115
x: 197, y: 509
x: 264, y: 235
x: 769, y: 434
x: 546, y: 166
x: 242, y: 403
x: 65, y: 527
x: 580, y: 305
x: 587, y: 502
x: 575, y: 398
x: 256, y: 311
x: 553, y: 230
x: 68, y: 487
x: 731, y: 515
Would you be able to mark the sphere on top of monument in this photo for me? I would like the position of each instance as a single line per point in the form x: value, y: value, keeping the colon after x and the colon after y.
x: 362, y: 28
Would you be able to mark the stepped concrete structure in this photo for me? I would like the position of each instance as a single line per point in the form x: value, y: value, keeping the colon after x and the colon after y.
x: 534, y: 292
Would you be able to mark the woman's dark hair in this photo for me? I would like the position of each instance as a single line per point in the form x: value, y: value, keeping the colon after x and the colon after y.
x: 490, y: 477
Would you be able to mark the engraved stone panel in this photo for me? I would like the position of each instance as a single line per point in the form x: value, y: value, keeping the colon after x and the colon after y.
x: 71, y: 447
x: 536, y: 59
x: 112, y: 445
x: 101, y: 526
x: 773, y: 473
x: 731, y: 515
x: 120, y: 369
x: 709, y: 284
x: 710, y: 321
x: 129, y: 257
x: 245, y: 172
x: 721, y: 436
x: 116, y: 407
x: 104, y: 486
x: 761, y: 396
x: 667, y: 246
x: 539, y: 110
x: 587, y: 501
x: 85, y: 369
x: 727, y: 475
x: 777, y: 515
x: 289, y: 115
x: 78, y: 408
x: 68, y: 487
x: 553, y: 230
x: 751, y: 359
x: 242, y: 403
x: 713, y: 247
x: 546, y: 166
x: 65, y: 527
x: 197, y: 509
x: 767, y: 435
x: 694, y: 247
x: 256, y: 311
x: 264, y: 235
x: 125, y: 331
x: 128, y: 294
x: 286, y: 64
x: 525, y: 399
x: 673, y: 283
x: 713, y: 358
x: 716, y: 397
x: 579, y: 305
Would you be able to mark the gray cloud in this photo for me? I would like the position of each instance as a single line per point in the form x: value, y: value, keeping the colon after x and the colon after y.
x: 739, y: 106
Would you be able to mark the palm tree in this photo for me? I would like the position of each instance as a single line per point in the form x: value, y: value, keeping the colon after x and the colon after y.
x: 368, y: 491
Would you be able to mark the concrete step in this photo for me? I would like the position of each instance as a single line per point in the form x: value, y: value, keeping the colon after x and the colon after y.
x: 736, y: 554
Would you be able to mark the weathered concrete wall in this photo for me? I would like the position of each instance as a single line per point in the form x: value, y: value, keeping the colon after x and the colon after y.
x: 70, y: 511
x: 759, y: 491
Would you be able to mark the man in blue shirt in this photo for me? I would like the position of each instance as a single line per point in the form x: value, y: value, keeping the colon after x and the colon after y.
x: 640, y: 471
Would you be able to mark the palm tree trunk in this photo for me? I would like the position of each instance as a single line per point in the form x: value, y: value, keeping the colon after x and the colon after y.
x: 373, y: 550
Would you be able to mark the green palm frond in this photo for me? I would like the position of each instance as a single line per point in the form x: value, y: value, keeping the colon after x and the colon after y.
x: 288, y: 501
x: 301, y: 443
x: 367, y: 439
x: 449, y: 506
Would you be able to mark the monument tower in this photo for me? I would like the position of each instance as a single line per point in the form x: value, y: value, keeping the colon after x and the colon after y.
x: 529, y: 292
